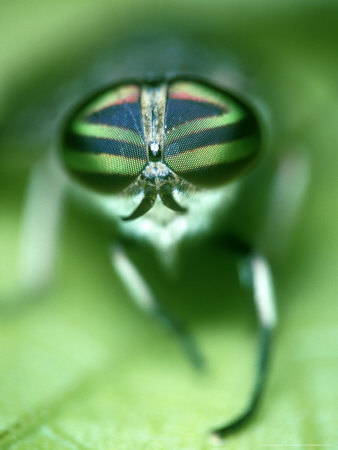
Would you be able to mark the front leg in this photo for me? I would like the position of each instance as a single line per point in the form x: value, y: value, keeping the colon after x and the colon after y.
x: 145, y: 299
x: 255, y: 271
x: 285, y: 201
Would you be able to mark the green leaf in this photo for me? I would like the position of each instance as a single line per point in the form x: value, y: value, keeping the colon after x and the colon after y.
x: 82, y: 368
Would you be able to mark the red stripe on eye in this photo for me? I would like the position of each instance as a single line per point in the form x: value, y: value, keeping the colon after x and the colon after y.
x: 132, y: 98
x: 186, y: 96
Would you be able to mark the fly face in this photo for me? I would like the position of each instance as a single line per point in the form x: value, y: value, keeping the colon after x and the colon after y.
x: 171, y: 142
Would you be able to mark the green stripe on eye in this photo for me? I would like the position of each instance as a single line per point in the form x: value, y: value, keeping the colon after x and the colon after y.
x: 213, y: 154
x: 106, y: 132
x: 103, y: 163
x: 198, y: 125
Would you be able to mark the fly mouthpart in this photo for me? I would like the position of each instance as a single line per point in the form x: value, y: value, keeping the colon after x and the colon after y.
x: 166, y: 195
x: 150, y: 193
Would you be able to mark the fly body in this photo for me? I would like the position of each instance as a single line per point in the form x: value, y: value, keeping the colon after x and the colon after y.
x: 164, y: 145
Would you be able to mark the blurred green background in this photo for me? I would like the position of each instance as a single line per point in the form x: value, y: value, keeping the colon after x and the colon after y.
x: 84, y: 368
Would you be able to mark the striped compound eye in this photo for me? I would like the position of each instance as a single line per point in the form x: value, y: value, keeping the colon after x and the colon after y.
x: 103, y: 144
x: 187, y: 128
x: 210, y: 137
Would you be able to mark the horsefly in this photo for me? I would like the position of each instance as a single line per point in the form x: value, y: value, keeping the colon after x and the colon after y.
x: 163, y: 145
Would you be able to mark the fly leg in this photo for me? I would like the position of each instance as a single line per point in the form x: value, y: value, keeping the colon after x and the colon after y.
x: 38, y: 243
x: 286, y: 197
x: 143, y: 296
x: 255, y: 272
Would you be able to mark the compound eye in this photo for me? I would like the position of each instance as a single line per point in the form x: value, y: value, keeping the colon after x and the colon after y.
x: 103, y: 145
x: 210, y: 136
